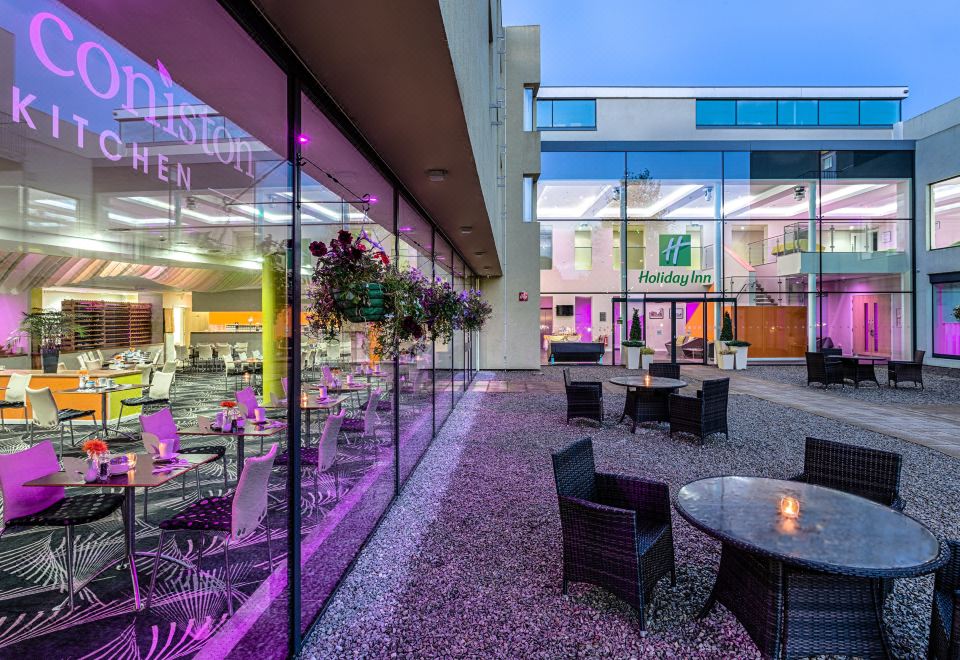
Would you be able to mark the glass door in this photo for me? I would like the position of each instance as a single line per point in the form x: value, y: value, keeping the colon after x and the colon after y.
x: 688, y: 328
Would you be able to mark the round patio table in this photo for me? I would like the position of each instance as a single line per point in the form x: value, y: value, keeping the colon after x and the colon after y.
x: 808, y: 585
x: 859, y: 368
x: 647, y: 398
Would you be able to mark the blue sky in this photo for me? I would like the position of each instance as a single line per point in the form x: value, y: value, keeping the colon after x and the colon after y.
x: 750, y: 42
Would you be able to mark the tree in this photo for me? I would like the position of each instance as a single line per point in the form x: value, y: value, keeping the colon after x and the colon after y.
x: 726, y: 332
x: 636, y: 332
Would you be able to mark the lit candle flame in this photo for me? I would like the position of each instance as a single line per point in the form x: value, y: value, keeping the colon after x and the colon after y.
x: 789, y: 507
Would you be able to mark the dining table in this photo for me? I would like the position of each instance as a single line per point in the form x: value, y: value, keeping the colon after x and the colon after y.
x: 148, y: 472
x: 250, y: 429
x: 648, y: 397
x: 104, y: 392
x: 802, y: 565
x: 310, y: 402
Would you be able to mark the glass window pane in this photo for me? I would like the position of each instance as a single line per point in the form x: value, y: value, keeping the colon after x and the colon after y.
x: 946, y: 326
x: 879, y: 113
x: 756, y: 113
x: 574, y: 113
x: 944, y: 204
x: 546, y: 246
x: 716, y: 113
x: 544, y: 113
x: 529, y: 197
x: 839, y: 113
x: 528, y: 108
x: 797, y: 113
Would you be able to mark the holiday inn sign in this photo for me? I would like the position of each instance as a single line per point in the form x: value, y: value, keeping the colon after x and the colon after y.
x: 675, y: 250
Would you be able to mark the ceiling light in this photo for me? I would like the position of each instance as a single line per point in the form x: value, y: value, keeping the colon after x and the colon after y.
x: 436, y: 175
x: 303, y: 139
x: 466, y: 230
x: 480, y: 253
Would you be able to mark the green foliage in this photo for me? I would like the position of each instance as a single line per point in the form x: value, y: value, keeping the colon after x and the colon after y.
x: 646, y: 350
x: 726, y: 331
x: 636, y: 331
x: 48, y: 328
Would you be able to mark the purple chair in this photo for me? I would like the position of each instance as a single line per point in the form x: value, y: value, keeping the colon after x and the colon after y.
x: 247, y: 400
x: 161, y: 427
x: 322, y: 458
x: 47, y: 506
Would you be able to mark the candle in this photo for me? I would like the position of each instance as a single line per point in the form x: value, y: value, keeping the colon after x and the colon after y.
x: 789, y: 507
x: 162, y: 451
x: 304, y: 400
x: 323, y: 391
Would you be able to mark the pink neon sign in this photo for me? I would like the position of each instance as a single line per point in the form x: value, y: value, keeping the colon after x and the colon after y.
x: 177, y: 120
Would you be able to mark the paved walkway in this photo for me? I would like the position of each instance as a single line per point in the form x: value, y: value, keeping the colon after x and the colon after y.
x: 936, y: 427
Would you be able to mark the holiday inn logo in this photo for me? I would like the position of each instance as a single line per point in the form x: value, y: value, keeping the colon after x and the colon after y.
x: 675, y: 250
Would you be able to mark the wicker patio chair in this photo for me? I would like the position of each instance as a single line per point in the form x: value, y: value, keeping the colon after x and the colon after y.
x: 704, y: 414
x: 823, y: 371
x: 870, y: 473
x: 617, y: 530
x: 903, y: 371
x: 584, y: 399
x: 945, y: 624
x: 664, y: 369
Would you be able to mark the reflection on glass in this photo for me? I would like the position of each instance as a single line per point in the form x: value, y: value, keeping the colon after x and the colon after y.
x: 944, y: 214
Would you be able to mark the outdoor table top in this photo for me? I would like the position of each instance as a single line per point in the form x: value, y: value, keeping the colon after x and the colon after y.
x: 250, y: 429
x: 864, y: 358
x: 835, y: 532
x: 649, y: 382
x: 142, y: 476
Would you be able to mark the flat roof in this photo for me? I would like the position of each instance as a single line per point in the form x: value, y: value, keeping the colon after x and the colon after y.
x: 611, y: 92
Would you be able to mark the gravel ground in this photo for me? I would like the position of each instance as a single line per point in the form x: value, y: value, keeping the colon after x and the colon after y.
x: 941, y: 386
x: 468, y: 562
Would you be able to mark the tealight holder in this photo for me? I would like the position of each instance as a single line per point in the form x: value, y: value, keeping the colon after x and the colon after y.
x: 789, y: 507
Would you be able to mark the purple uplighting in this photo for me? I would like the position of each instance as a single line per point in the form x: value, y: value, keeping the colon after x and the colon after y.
x: 406, y: 229
x: 303, y: 139
x: 372, y: 199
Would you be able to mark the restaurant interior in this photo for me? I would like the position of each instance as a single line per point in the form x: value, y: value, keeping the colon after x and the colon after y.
x: 154, y: 224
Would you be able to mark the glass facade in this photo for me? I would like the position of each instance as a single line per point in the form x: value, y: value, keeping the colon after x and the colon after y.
x: 805, y: 244
x: 169, y: 210
x: 797, y: 112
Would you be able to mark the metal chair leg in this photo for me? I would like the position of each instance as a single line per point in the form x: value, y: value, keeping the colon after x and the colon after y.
x: 200, y: 546
x: 266, y: 523
x: 198, y: 483
x: 119, y: 416
x: 156, y: 566
x: 226, y: 567
x: 70, y: 539
x: 61, y: 439
x: 225, y: 487
x: 73, y: 438
x: 316, y: 492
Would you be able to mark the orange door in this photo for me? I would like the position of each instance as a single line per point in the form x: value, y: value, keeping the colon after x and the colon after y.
x: 871, y: 325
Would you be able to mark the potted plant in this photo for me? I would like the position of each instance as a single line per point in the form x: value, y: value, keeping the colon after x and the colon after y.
x: 740, y: 347
x: 347, y: 283
x: 634, y: 343
x: 402, y: 329
x: 646, y: 357
x: 441, y: 307
x: 726, y: 358
x: 474, y: 311
x: 48, y: 329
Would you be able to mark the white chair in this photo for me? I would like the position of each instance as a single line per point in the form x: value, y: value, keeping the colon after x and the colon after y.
x: 224, y: 349
x: 241, y: 347
x: 230, y: 368
x: 366, y: 426
x: 327, y: 374
x: 82, y: 359
x: 94, y: 365
x: 61, y: 367
x: 257, y: 355
x: 146, y: 371
x: 159, y: 393
x: 204, y: 351
x: 45, y: 414
x: 15, y: 396
x: 236, y: 517
x: 321, y: 458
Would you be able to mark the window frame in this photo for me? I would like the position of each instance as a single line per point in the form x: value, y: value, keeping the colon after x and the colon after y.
x: 939, y: 279
x: 552, y: 126
x: 931, y: 212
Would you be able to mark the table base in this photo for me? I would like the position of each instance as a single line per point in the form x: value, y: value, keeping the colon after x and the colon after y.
x: 646, y: 406
x: 792, y: 612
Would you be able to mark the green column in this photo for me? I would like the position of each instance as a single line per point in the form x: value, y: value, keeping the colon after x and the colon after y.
x: 275, y: 330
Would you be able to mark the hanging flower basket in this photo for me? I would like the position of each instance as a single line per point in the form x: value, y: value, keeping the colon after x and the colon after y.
x: 357, y: 310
